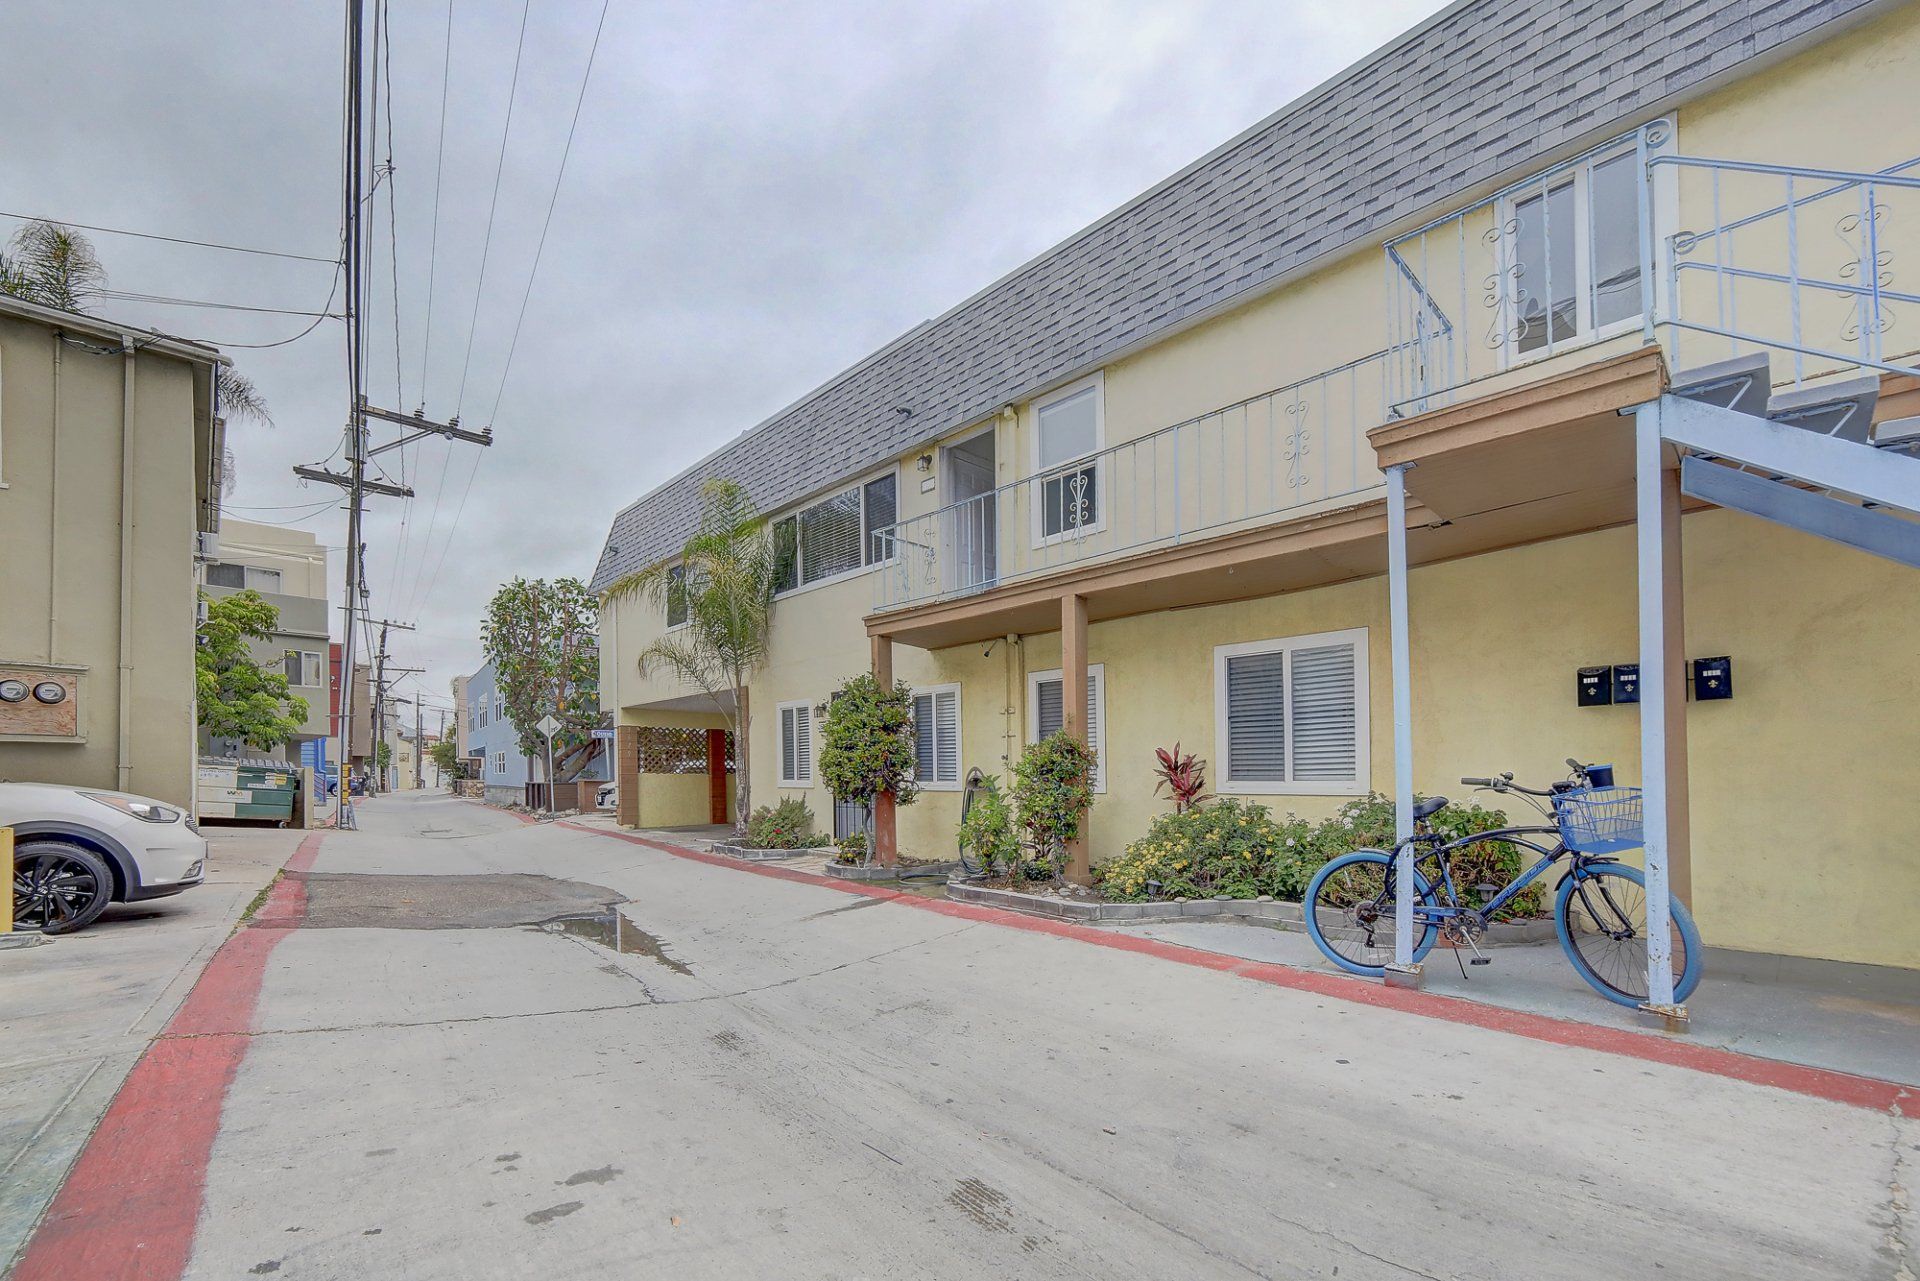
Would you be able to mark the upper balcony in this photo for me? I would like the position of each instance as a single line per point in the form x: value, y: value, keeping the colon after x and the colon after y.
x: 1293, y: 450
x: 1586, y: 286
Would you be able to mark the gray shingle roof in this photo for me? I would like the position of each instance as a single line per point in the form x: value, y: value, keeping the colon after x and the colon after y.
x: 1485, y: 87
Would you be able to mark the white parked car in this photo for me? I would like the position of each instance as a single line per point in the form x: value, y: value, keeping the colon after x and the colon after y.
x: 76, y: 849
x: 608, y: 797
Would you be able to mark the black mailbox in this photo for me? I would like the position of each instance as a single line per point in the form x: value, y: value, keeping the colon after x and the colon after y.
x: 1626, y: 682
x: 1712, y: 678
x: 1594, y: 687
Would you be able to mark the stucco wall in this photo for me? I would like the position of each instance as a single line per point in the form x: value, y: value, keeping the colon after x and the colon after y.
x: 61, y: 573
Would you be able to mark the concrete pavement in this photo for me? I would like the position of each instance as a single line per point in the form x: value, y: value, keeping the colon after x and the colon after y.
x: 76, y: 1013
x: 751, y: 1076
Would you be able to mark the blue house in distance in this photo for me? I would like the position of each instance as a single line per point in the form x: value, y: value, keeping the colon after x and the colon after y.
x: 494, y: 745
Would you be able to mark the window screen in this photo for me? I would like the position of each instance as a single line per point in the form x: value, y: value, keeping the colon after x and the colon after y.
x: 936, y: 725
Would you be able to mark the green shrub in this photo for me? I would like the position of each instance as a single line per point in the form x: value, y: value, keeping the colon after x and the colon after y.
x: 866, y: 742
x: 1238, y: 849
x: 1226, y: 846
x: 989, y: 834
x: 1051, y: 791
x: 786, y: 826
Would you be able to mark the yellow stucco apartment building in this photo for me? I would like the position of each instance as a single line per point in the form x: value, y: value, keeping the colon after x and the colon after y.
x: 1162, y: 458
x: 110, y: 456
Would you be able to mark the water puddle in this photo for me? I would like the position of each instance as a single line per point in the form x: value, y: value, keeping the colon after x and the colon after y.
x: 613, y: 931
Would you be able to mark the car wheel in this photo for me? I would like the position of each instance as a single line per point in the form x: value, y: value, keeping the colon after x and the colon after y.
x: 58, y: 888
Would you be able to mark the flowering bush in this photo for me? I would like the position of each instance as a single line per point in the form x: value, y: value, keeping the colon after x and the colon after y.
x: 853, y: 849
x: 1228, y: 846
x: 1239, y: 849
x: 1366, y: 822
x: 786, y: 826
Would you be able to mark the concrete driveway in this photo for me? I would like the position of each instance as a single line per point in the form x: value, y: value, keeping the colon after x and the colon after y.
x: 476, y: 1048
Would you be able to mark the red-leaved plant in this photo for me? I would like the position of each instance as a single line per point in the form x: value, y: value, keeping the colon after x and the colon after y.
x: 1182, y: 777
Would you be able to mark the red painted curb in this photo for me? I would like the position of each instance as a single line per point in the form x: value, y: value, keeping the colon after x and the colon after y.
x: 129, y: 1206
x: 1820, y: 1083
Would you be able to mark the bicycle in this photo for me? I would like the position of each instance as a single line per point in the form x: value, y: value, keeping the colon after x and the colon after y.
x: 1599, y: 909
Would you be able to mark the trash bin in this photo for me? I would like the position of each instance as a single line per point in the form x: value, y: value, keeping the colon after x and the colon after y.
x: 259, y: 790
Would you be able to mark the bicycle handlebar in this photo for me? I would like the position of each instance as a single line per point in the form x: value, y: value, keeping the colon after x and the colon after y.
x: 1505, y: 783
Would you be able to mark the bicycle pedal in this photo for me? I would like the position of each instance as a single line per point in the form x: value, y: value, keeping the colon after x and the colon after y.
x: 1481, y: 960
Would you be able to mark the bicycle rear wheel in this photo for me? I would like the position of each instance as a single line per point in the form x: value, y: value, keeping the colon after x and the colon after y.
x: 1350, y: 912
x: 1601, y: 916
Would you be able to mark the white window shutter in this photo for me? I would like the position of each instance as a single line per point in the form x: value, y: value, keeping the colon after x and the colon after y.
x: 1257, y: 717
x: 788, y: 748
x: 803, y: 745
x: 1324, y: 715
x: 1095, y: 736
x: 923, y: 738
x: 946, y: 719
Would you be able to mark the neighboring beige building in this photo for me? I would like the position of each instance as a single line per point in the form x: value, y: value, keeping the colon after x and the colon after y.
x: 1158, y: 462
x: 288, y: 568
x: 110, y: 454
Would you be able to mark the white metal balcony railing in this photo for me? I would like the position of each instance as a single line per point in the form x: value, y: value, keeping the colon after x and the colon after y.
x: 1797, y: 262
x: 1282, y: 450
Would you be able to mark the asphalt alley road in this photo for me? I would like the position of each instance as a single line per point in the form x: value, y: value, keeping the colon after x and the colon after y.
x: 752, y: 1077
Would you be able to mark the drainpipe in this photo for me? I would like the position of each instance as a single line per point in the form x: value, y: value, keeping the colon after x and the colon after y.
x: 1016, y: 690
x: 125, y: 773
x: 53, y: 508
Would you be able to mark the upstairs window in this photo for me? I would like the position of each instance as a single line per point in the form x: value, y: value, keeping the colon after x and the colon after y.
x: 226, y: 574
x: 1291, y: 715
x: 303, y: 668
x: 936, y: 737
x: 835, y: 536
x: 1046, y: 714
x: 1573, y: 261
x: 1069, y: 427
x: 677, y: 596
x: 796, y: 745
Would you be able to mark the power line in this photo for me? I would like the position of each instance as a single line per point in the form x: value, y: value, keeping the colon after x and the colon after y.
x: 123, y: 295
x: 553, y: 200
x: 433, y: 248
x: 393, y: 214
x: 566, y: 151
x: 172, y: 240
x: 486, y: 245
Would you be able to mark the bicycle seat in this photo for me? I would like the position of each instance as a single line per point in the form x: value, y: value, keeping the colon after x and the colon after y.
x: 1429, y: 807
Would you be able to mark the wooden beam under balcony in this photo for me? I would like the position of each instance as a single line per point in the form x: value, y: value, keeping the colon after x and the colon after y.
x: 1332, y: 546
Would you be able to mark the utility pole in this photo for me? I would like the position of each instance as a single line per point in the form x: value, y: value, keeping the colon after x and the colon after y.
x: 354, y: 479
x: 380, y: 691
x: 419, y: 750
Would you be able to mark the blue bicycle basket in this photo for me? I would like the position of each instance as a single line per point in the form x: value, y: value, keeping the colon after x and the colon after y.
x: 1600, y: 820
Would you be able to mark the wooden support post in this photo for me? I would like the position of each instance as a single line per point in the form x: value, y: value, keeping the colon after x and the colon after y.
x: 626, y: 775
x: 1073, y: 713
x: 886, y: 837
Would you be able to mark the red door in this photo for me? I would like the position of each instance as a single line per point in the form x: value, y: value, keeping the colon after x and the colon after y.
x: 717, y: 775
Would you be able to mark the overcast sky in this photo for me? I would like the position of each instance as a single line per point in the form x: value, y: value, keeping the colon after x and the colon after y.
x: 758, y: 195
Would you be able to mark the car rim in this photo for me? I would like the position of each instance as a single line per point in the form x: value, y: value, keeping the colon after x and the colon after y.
x: 51, y: 889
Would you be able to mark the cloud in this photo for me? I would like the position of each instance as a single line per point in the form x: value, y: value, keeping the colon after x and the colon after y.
x: 758, y: 196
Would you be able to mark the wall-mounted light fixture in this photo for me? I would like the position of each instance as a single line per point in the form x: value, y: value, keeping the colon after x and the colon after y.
x: 924, y: 462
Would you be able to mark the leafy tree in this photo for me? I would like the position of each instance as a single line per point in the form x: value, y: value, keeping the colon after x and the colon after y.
x: 445, y: 755
x: 723, y: 578
x: 866, y: 742
x: 382, y: 757
x: 239, y: 698
x: 541, y: 638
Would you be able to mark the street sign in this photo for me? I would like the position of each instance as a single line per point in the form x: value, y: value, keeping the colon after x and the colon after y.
x: 603, y: 733
x: 548, y: 725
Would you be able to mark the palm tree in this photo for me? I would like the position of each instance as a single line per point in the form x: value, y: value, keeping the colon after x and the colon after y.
x: 725, y: 575
x: 52, y: 265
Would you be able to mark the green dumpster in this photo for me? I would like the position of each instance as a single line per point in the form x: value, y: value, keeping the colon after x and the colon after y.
x: 261, y: 790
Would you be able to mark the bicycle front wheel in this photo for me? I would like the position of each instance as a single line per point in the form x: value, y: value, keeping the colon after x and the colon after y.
x: 1350, y: 908
x: 1601, y: 915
